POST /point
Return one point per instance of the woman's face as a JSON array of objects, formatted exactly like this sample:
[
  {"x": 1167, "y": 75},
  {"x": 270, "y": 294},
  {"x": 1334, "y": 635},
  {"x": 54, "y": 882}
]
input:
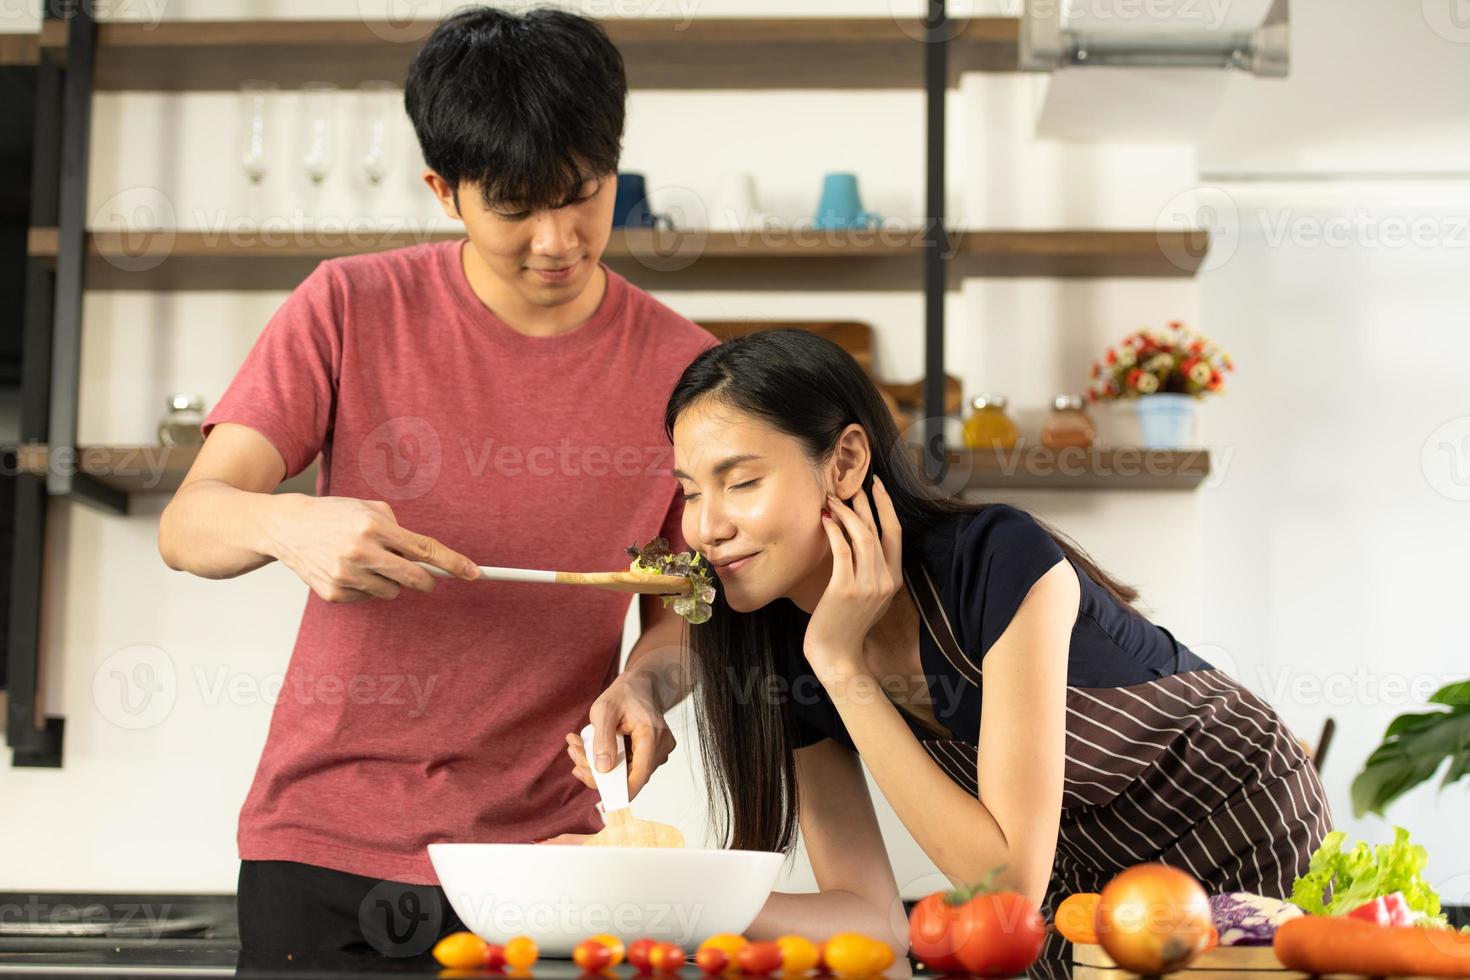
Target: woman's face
[{"x": 751, "y": 493}]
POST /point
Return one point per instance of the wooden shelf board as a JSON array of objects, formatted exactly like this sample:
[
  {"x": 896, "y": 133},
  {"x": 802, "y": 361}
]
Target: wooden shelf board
[
  {"x": 1097, "y": 468},
  {"x": 137, "y": 469},
  {"x": 143, "y": 469},
  {"x": 886, "y": 259},
  {"x": 659, "y": 53},
  {"x": 19, "y": 49}
]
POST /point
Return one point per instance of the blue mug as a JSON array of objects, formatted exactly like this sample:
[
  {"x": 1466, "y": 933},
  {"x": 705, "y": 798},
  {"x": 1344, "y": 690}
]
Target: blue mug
[
  {"x": 841, "y": 207},
  {"x": 630, "y": 207}
]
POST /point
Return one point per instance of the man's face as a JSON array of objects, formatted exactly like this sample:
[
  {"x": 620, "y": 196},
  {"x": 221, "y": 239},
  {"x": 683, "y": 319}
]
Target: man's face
[{"x": 545, "y": 257}]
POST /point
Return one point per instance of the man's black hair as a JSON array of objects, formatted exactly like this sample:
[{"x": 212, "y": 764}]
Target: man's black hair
[{"x": 527, "y": 106}]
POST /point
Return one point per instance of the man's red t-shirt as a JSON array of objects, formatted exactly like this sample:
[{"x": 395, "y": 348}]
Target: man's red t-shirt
[{"x": 441, "y": 717}]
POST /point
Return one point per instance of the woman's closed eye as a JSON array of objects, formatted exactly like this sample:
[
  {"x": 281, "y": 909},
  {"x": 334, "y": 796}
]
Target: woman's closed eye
[{"x": 739, "y": 486}]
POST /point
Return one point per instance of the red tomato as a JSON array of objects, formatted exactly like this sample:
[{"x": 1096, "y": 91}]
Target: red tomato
[
  {"x": 494, "y": 956},
  {"x": 759, "y": 959},
  {"x": 978, "y": 932},
  {"x": 638, "y": 954},
  {"x": 1386, "y": 910},
  {"x": 591, "y": 955},
  {"x": 929, "y": 932},
  {"x": 1002, "y": 935},
  {"x": 712, "y": 959},
  {"x": 666, "y": 958}
]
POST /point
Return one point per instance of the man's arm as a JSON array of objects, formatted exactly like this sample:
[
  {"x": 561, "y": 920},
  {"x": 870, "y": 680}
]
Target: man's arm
[
  {"x": 223, "y": 521},
  {"x": 215, "y": 525}
]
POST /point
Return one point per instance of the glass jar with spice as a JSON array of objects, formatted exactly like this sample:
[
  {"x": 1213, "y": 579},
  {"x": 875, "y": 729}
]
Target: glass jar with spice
[
  {"x": 1068, "y": 426},
  {"x": 989, "y": 427},
  {"x": 180, "y": 427}
]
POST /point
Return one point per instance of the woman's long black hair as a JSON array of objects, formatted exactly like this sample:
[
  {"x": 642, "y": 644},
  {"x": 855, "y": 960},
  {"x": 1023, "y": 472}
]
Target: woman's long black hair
[{"x": 810, "y": 389}]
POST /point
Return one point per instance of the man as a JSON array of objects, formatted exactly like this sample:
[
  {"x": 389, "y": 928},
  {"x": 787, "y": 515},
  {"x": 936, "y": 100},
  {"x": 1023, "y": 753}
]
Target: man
[{"x": 491, "y": 401}]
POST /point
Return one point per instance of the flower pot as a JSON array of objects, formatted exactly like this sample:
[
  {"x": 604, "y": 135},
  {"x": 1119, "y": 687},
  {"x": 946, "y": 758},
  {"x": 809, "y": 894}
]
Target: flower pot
[{"x": 1167, "y": 420}]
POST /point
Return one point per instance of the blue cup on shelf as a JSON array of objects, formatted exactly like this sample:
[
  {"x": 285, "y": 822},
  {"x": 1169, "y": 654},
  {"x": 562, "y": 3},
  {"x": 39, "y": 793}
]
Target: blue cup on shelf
[
  {"x": 630, "y": 207},
  {"x": 840, "y": 206},
  {"x": 1166, "y": 420}
]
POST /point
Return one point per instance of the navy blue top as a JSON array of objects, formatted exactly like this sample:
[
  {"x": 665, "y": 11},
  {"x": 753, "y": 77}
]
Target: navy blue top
[{"x": 982, "y": 566}]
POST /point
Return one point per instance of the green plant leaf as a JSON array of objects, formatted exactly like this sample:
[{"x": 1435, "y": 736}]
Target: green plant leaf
[
  {"x": 1455, "y": 695},
  {"x": 1413, "y": 748}
]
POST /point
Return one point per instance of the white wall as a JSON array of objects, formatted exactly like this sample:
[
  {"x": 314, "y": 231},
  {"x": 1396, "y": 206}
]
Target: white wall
[{"x": 156, "y": 808}]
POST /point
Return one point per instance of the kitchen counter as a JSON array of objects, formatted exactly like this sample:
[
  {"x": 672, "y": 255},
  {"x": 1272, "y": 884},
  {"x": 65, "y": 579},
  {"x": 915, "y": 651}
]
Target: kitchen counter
[{"x": 214, "y": 960}]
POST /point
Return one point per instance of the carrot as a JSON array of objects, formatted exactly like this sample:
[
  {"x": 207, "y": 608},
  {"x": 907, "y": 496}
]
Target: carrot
[{"x": 1332, "y": 944}]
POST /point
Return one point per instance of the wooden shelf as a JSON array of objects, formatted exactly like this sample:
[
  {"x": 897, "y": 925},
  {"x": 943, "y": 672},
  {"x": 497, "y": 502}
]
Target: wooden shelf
[
  {"x": 145, "y": 469},
  {"x": 136, "y": 469},
  {"x": 660, "y": 53},
  {"x": 1098, "y": 468},
  {"x": 796, "y": 258},
  {"x": 18, "y": 49}
]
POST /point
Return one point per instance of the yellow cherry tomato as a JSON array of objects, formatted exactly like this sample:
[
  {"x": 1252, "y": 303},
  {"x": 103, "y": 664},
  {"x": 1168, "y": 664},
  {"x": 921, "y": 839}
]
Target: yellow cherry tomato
[
  {"x": 882, "y": 955},
  {"x": 460, "y": 951},
  {"x": 614, "y": 946},
  {"x": 521, "y": 952},
  {"x": 730, "y": 942},
  {"x": 798, "y": 954},
  {"x": 851, "y": 954}
]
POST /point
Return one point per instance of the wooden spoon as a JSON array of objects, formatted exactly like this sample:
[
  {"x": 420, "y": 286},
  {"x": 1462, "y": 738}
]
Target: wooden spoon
[
  {"x": 639, "y": 582},
  {"x": 623, "y": 829}
]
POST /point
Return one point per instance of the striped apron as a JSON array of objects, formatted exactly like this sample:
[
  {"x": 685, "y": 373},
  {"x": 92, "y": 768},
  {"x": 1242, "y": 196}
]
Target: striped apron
[{"x": 1190, "y": 770}]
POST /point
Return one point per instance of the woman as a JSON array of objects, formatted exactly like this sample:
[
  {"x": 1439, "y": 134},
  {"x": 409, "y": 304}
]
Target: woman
[{"x": 1010, "y": 703}]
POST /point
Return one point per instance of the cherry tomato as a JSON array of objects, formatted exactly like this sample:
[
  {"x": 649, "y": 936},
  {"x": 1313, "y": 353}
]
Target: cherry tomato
[
  {"x": 850, "y": 954},
  {"x": 521, "y": 952},
  {"x": 460, "y": 951},
  {"x": 614, "y": 946},
  {"x": 638, "y": 954},
  {"x": 712, "y": 959},
  {"x": 666, "y": 958},
  {"x": 882, "y": 956},
  {"x": 731, "y": 943},
  {"x": 591, "y": 955},
  {"x": 759, "y": 959},
  {"x": 798, "y": 954},
  {"x": 494, "y": 956}
]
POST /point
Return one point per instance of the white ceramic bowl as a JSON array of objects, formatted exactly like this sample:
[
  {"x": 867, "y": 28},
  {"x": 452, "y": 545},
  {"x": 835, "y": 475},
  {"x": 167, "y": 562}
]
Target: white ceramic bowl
[{"x": 559, "y": 895}]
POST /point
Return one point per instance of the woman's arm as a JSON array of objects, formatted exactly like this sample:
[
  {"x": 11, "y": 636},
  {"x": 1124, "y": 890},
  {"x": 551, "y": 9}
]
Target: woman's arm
[
  {"x": 1022, "y": 749},
  {"x": 858, "y": 891}
]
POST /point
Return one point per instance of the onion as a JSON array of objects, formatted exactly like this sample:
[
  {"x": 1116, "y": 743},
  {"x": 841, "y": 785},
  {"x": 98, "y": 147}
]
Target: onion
[{"x": 1153, "y": 919}]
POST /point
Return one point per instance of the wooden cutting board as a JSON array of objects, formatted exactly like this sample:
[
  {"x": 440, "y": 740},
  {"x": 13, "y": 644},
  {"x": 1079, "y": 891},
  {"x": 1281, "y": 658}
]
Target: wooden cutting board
[
  {"x": 1221, "y": 958},
  {"x": 1092, "y": 962}
]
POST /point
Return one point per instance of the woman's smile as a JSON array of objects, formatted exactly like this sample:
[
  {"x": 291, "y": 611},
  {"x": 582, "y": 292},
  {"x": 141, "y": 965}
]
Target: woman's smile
[{"x": 732, "y": 567}]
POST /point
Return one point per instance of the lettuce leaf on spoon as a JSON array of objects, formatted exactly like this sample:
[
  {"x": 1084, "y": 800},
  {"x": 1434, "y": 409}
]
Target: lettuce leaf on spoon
[{"x": 656, "y": 558}]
